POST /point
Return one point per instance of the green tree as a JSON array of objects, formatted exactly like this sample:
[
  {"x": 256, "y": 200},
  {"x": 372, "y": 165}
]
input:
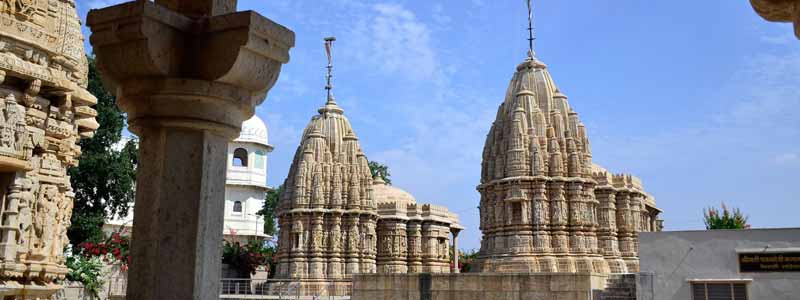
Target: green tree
[
  {"x": 105, "y": 178},
  {"x": 725, "y": 219},
  {"x": 379, "y": 169},
  {"x": 268, "y": 211}
]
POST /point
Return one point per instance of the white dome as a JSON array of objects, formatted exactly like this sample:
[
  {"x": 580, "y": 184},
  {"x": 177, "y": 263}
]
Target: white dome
[
  {"x": 384, "y": 193},
  {"x": 254, "y": 131}
]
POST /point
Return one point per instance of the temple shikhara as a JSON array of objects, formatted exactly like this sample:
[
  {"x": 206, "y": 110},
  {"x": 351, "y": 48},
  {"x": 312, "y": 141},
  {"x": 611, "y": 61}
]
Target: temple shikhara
[
  {"x": 44, "y": 111},
  {"x": 327, "y": 215},
  {"x": 545, "y": 206},
  {"x": 336, "y": 221}
]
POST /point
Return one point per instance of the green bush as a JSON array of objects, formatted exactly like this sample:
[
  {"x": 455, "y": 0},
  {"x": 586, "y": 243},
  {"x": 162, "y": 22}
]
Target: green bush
[
  {"x": 86, "y": 270},
  {"x": 246, "y": 258},
  {"x": 726, "y": 219}
]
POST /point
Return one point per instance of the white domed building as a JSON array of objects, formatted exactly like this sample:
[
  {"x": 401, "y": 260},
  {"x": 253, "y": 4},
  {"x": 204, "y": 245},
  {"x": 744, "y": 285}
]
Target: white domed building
[
  {"x": 245, "y": 185},
  {"x": 246, "y": 181}
]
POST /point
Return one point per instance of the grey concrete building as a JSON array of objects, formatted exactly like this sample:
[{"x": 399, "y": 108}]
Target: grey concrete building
[{"x": 721, "y": 264}]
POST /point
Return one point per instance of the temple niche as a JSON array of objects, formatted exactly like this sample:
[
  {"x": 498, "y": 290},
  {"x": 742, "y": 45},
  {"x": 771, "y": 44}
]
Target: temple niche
[
  {"x": 545, "y": 207},
  {"x": 44, "y": 111}
]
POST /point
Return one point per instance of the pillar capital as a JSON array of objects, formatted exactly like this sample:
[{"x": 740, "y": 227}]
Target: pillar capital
[{"x": 161, "y": 60}]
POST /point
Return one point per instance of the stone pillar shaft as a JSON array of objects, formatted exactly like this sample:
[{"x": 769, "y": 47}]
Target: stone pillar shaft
[
  {"x": 175, "y": 253},
  {"x": 455, "y": 252}
]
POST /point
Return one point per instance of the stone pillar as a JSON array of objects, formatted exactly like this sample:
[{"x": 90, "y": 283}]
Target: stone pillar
[
  {"x": 187, "y": 73},
  {"x": 455, "y": 250}
]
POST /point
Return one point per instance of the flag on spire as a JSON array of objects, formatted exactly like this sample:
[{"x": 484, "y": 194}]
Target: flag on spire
[{"x": 328, "y": 46}]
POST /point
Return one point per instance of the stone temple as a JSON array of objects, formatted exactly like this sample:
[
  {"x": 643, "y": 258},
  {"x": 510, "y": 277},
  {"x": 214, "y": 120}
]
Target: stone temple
[
  {"x": 336, "y": 221},
  {"x": 326, "y": 214},
  {"x": 545, "y": 207},
  {"x": 44, "y": 110}
]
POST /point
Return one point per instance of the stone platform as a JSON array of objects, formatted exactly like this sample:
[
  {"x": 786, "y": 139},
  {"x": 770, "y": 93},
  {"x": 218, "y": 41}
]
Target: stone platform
[{"x": 486, "y": 286}]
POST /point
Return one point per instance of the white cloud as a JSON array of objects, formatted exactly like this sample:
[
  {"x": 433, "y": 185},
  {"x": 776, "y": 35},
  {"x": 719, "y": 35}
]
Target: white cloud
[
  {"x": 439, "y": 15},
  {"x": 392, "y": 39}
]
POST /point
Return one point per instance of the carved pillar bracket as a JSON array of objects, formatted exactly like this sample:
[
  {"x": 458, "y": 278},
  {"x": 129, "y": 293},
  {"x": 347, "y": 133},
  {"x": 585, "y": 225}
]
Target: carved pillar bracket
[
  {"x": 779, "y": 11},
  {"x": 187, "y": 73}
]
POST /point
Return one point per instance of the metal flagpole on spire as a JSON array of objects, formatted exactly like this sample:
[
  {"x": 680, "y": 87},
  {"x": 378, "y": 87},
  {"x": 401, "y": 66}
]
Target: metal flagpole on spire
[
  {"x": 328, "y": 86},
  {"x": 530, "y": 29}
]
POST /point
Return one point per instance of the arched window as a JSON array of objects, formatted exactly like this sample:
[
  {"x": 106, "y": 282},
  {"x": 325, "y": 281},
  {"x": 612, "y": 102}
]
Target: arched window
[
  {"x": 240, "y": 157},
  {"x": 237, "y": 207}
]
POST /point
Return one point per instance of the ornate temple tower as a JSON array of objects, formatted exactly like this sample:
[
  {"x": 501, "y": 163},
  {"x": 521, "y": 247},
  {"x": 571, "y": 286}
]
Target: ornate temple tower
[
  {"x": 326, "y": 214},
  {"x": 541, "y": 207},
  {"x": 44, "y": 111}
]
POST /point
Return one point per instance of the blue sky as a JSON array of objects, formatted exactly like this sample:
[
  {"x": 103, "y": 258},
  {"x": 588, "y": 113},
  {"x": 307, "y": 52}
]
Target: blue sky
[{"x": 698, "y": 98}]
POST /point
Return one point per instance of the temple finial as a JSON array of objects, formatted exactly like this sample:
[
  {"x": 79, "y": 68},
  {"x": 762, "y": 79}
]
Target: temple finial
[
  {"x": 330, "y": 105},
  {"x": 530, "y": 30},
  {"x": 328, "y": 47}
]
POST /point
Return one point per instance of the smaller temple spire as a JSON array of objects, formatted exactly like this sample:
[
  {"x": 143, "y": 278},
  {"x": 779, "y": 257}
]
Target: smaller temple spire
[{"x": 530, "y": 30}]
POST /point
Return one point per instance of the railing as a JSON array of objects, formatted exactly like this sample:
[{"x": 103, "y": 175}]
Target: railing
[
  {"x": 241, "y": 289},
  {"x": 261, "y": 289}
]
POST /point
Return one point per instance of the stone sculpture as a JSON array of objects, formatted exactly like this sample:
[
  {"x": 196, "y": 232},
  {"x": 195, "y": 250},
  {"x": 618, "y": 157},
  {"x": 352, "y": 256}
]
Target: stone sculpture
[{"x": 44, "y": 110}]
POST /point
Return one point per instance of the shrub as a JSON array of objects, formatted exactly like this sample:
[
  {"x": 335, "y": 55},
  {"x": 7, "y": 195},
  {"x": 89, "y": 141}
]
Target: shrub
[
  {"x": 116, "y": 248},
  {"x": 87, "y": 271},
  {"x": 727, "y": 219},
  {"x": 246, "y": 258}
]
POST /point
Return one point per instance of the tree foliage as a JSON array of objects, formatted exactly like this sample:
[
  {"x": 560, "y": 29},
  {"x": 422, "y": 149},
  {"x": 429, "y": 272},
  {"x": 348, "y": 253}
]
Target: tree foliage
[
  {"x": 268, "y": 211},
  {"x": 725, "y": 219},
  {"x": 105, "y": 178},
  {"x": 379, "y": 169}
]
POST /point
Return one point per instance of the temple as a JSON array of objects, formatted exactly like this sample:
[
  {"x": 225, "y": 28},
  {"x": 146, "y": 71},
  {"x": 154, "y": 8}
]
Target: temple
[
  {"x": 336, "y": 221},
  {"x": 326, "y": 214},
  {"x": 545, "y": 207}
]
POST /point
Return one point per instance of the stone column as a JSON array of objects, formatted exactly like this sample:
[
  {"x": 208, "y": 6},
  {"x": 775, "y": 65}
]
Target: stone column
[
  {"x": 455, "y": 250},
  {"x": 187, "y": 73}
]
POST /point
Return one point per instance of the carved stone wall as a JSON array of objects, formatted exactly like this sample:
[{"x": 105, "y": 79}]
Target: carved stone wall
[
  {"x": 44, "y": 110},
  {"x": 542, "y": 208},
  {"x": 412, "y": 238}
]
